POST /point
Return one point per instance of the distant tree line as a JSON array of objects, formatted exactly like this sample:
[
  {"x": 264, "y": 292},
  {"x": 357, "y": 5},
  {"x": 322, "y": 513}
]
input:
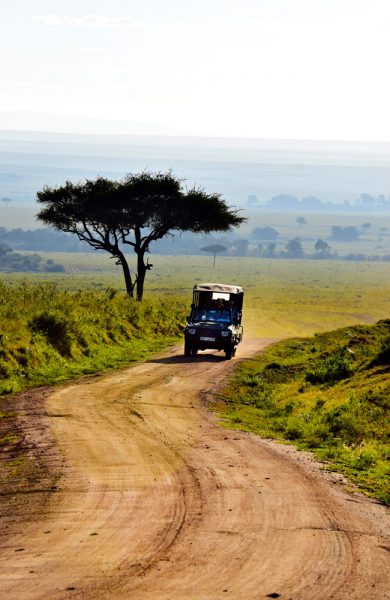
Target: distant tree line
[
  {"x": 291, "y": 249},
  {"x": 322, "y": 250},
  {"x": 261, "y": 241},
  {"x": 338, "y": 234},
  {"x": 344, "y": 234},
  {"x": 43, "y": 239},
  {"x": 365, "y": 202},
  {"x": 13, "y": 261}
]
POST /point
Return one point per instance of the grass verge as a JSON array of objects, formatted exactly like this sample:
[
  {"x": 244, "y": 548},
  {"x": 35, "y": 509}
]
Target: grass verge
[
  {"x": 329, "y": 394},
  {"x": 48, "y": 335}
]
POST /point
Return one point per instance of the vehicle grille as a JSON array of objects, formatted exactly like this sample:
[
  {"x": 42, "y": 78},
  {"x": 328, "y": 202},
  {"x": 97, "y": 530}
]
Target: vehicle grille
[{"x": 208, "y": 332}]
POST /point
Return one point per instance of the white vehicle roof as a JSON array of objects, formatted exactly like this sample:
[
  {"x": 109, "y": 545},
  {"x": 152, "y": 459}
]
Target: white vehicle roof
[{"x": 218, "y": 287}]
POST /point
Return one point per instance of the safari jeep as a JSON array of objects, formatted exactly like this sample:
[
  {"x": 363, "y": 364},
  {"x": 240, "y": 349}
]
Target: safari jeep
[{"x": 215, "y": 319}]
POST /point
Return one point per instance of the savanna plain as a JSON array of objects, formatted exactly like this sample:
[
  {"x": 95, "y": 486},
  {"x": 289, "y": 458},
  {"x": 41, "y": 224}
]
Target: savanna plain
[
  {"x": 57, "y": 326},
  {"x": 322, "y": 383}
]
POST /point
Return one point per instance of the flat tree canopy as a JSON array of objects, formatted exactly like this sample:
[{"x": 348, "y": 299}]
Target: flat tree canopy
[
  {"x": 214, "y": 249},
  {"x": 135, "y": 211}
]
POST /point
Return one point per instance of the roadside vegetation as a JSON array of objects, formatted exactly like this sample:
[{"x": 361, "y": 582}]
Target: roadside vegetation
[
  {"x": 48, "y": 335},
  {"x": 329, "y": 394}
]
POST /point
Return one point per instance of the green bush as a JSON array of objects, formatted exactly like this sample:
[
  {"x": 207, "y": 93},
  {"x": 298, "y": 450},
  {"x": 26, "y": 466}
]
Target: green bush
[
  {"x": 294, "y": 429},
  {"x": 5, "y": 369},
  {"x": 364, "y": 459},
  {"x": 56, "y": 328},
  {"x": 343, "y": 425},
  {"x": 331, "y": 369},
  {"x": 317, "y": 435},
  {"x": 383, "y": 356}
]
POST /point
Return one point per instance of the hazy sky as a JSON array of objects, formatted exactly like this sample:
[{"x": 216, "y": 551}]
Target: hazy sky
[{"x": 314, "y": 69}]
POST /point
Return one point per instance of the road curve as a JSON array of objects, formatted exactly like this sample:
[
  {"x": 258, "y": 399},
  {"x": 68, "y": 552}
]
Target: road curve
[{"x": 157, "y": 501}]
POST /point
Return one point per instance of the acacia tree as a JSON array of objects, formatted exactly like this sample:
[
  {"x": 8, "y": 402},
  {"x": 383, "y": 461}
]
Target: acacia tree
[
  {"x": 214, "y": 249},
  {"x": 136, "y": 211}
]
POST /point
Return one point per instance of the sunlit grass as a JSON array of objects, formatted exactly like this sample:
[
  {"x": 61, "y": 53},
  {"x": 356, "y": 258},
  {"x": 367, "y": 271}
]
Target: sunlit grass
[
  {"x": 329, "y": 394},
  {"x": 283, "y": 297},
  {"x": 48, "y": 335}
]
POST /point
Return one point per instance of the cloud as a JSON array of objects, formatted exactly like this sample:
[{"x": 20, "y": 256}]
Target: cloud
[{"x": 87, "y": 21}]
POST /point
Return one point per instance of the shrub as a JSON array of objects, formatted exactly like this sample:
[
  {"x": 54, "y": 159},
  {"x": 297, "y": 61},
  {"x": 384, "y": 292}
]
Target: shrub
[
  {"x": 5, "y": 370},
  {"x": 320, "y": 403},
  {"x": 317, "y": 434},
  {"x": 344, "y": 425},
  {"x": 331, "y": 369},
  {"x": 56, "y": 328},
  {"x": 364, "y": 459},
  {"x": 383, "y": 356},
  {"x": 295, "y": 427}
]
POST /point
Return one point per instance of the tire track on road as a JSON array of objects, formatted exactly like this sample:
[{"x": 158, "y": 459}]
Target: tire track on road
[{"x": 158, "y": 501}]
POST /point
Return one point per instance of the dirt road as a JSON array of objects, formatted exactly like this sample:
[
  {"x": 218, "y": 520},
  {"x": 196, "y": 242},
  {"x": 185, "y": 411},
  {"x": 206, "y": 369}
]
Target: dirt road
[{"x": 156, "y": 500}]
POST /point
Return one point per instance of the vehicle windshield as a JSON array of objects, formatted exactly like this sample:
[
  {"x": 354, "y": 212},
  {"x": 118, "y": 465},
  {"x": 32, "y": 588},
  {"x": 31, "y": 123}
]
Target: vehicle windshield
[{"x": 212, "y": 315}]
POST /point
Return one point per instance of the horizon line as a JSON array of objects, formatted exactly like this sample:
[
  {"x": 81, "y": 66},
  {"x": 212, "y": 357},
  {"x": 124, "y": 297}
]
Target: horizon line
[{"x": 178, "y": 136}]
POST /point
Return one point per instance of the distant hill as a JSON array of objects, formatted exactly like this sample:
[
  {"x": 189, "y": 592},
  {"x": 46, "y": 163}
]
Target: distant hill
[{"x": 238, "y": 168}]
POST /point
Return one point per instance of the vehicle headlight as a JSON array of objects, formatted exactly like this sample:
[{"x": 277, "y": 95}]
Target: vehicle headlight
[
  {"x": 192, "y": 331},
  {"x": 225, "y": 333}
]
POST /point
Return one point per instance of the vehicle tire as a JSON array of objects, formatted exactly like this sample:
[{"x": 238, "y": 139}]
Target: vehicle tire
[
  {"x": 187, "y": 348},
  {"x": 229, "y": 352}
]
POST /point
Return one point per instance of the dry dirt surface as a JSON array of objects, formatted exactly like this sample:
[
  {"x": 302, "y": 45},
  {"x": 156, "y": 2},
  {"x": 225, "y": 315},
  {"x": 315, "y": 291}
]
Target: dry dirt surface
[{"x": 155, "y": 500}]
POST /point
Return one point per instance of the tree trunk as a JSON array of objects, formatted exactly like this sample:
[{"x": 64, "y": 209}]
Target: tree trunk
[
  {"x": 127, "y": 275},
  {"x": 141, "y": 272}
]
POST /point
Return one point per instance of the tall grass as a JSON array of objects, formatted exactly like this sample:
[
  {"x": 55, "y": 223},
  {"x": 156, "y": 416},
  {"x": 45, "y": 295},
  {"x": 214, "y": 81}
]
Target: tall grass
[{"x": 48, "y": 334}]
